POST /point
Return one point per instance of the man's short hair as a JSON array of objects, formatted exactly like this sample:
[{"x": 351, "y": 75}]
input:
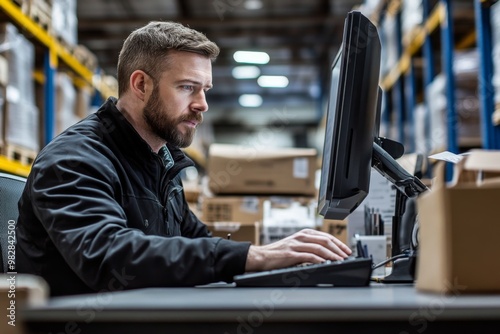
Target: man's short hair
[{"x": 147, "y": 49}]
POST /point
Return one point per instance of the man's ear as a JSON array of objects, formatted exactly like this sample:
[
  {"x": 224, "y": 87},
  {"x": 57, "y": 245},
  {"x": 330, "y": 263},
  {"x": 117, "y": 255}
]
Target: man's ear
[{"x": 140, "y": 84}]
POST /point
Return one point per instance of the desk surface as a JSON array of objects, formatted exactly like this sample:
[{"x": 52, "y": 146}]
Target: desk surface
[{"x": 394, "y": 308}]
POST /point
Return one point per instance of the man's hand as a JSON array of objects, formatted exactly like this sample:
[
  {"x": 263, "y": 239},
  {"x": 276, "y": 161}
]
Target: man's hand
[{"x": 305, "y": 246}]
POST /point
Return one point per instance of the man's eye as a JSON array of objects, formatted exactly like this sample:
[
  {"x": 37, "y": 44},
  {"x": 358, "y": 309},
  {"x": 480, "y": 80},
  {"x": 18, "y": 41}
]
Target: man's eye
[{"x": 187, "y": 87}]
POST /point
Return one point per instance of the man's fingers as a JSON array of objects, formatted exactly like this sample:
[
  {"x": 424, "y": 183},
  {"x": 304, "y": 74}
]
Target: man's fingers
[
  {"x": 327, "y": 242},
  {"x": 317, "y": 246}
]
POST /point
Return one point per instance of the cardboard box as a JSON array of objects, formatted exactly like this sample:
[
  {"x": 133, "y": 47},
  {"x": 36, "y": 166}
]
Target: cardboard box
[
  {"x": 237, "y": 169},
  {"x": 337, "y": 228},
  {"x": 192, "y": 191},
  {"x": 196, "y": 209},
  {"x": 244, "y": 209},
  {"x": 237, "y": 231},
  {"x": 459, "y": 228}
]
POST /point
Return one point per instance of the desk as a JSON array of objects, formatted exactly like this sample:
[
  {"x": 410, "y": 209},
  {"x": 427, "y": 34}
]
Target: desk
[{"x": 378, "y": 308}]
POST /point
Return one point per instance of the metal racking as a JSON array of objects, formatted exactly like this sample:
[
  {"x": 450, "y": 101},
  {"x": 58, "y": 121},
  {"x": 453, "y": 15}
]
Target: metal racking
[
  {"x": 401, "y": 90},
  {"x": 54, "y": 53}
]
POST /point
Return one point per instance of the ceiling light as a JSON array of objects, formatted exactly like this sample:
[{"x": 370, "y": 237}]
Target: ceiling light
[
  {"x": 251, "y": 57},
  {"x": 250, "y": 100},
  {"x": 253, "y": 4},
  {"x": 279, "y": 81},
  {"x": 246, "y": 72}
]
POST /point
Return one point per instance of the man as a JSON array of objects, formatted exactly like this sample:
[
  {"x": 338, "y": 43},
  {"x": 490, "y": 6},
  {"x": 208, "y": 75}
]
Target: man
[{"x": 103, "y": 208}]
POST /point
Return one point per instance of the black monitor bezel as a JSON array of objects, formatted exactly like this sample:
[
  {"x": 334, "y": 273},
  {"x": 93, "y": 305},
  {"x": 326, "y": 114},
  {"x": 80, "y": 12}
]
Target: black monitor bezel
[{"x": 339, "y": 193}]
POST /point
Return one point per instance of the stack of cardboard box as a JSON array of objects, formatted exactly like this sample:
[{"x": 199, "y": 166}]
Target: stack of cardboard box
[{"x": 242, "y": 179}]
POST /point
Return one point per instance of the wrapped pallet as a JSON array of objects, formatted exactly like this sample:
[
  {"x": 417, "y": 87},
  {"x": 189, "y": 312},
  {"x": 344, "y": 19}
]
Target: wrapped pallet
[
  {"x": 22, "y": 114},
  {"x": 65, "y": 102},
  {"x": 65, "y": 21},
  {"x": 495, "y": 39},
  {"x": 467, "y": 125}
]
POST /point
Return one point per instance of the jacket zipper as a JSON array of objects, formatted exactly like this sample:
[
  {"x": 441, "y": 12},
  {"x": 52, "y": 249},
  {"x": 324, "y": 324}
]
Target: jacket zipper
[{"x": 163, "y": 193}]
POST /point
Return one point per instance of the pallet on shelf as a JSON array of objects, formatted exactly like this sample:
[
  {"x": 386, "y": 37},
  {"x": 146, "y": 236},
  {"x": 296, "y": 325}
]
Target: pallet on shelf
[
  {"x": 85, "y": 56},
  {"x": 18, "y": 153},
  {"x": 20, "y": 2},
  {"x": 39, "y": 11},
  {"x": 411, "y": 35},
  {"x": 68, "y": 46}
]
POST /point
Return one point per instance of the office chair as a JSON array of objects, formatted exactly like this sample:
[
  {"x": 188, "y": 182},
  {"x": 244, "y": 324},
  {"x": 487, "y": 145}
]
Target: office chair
[{"x": 11, "y": 187}]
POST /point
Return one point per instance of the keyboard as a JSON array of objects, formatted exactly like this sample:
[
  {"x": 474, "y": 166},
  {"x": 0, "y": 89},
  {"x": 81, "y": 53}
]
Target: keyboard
[{"x": 355, "y": 271}]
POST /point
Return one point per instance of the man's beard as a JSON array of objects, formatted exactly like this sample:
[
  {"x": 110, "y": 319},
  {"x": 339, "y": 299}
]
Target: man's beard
[{"x": 164, "y": 126}]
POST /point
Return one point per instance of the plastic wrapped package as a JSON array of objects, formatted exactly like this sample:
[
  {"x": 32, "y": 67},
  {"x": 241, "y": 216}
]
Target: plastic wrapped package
[
  {"x": 412, "y": 15},
  {"x": 2, "y": 104},
  {"x": 495, "y": 39},
  {"x": 22, "y": 125},
  {"x": 65, "y": 102},
  {"x": 466, "y": 69},
  {"x": 65, "y": 21},
  {"x": 389, "y": 43},
  {"x": 437, "y": 113},
  {"x": 21, "y": 113},
  {"x": 421, "y": 140},
  {"x": 370, "y": 7},
  {"x": 20, "y": 54},
  {"x": 468, "y": 129}
]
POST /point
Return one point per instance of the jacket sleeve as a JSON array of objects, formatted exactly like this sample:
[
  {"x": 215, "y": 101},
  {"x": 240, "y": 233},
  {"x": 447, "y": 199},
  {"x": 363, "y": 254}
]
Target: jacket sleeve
[
  {"x": 75, "y": 199},
  {"x": 192, "y": 227}
]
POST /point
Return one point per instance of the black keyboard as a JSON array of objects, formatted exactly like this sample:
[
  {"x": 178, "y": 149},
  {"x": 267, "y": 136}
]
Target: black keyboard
[{"x": 354, "y": 271}]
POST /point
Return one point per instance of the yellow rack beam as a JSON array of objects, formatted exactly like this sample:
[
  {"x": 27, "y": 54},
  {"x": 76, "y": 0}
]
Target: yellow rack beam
[
  {"x": 394, "y": 7},
  {"x": 416, "y": 43},
  {"x": 467, "y": 41},
  {"x": 14, "y": 167}
]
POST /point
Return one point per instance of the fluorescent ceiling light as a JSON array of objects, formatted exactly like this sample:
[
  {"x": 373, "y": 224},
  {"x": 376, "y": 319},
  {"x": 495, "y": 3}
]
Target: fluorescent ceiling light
[
  {"x": 279, "y": 81},
  {"x": 253, "y": 4},
  {"x": 251, "y": 57},
  {"x": 250, "y": 100},
  {"x": 246, "y": 72}
]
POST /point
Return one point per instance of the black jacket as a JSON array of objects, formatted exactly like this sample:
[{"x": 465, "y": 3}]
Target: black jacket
[{"x": 101, "y": 212}]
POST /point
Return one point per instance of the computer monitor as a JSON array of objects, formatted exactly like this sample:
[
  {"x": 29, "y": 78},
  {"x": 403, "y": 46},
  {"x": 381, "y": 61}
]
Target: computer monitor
[
  {"x": 352, "y": 120},
  {"x": 352, "y": 146}
]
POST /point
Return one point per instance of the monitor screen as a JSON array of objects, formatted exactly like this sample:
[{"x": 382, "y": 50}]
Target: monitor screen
[{"x": 352, "y": 119}]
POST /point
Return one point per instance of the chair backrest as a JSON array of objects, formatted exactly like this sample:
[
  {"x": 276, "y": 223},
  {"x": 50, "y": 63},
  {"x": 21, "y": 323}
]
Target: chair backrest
[{"x": 11, "y": 188}]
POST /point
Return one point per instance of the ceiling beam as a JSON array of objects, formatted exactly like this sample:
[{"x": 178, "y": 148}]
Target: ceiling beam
[
  {"x": 214, "y": 23},
  {"x": 185, "y": 11}
]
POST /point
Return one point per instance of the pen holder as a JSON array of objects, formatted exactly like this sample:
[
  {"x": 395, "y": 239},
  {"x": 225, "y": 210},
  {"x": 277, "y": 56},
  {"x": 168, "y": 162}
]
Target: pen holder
[{"x": 375, "y": 247}]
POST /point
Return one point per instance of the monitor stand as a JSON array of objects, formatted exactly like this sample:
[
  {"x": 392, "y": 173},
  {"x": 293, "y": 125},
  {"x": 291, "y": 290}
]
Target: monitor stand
[
  {"x": 408, "y": 186},
  {"x": 403, "y": 269}
]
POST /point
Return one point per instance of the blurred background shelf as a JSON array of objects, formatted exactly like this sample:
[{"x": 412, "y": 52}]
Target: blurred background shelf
[
  {"x": 438, "y": 79},
  {"x": 431, "y": 101},
  {"x": 32, "y": 108}
]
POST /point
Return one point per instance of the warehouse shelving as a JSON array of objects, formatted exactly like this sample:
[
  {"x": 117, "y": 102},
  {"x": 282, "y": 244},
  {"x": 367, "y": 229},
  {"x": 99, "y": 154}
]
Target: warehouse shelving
[
  {"x": 490, "y": 129},
  {"x": 400, "y": 84},
  {"x": 54, "y": 53}
]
